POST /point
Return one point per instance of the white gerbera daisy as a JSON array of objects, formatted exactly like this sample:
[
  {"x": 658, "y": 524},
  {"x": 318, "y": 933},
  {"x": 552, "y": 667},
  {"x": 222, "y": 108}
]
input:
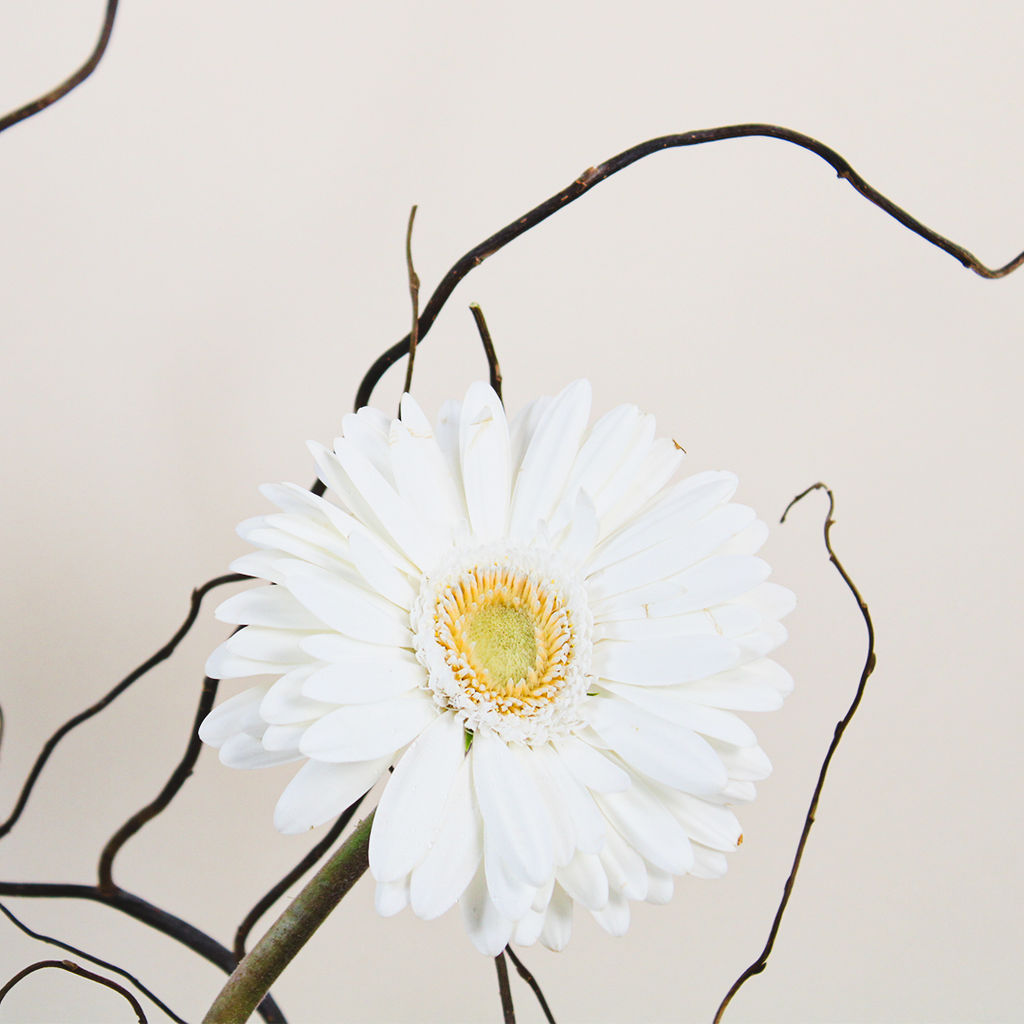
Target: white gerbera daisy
[{"x": 544, "y": 637}]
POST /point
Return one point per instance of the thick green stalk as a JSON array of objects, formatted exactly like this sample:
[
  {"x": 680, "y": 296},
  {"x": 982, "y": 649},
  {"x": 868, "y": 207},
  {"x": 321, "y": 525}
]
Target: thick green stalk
[{"x": 290, "y": 932}]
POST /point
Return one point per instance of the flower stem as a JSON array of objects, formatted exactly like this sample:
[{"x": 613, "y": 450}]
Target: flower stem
[{"x": 290, "y": 932}]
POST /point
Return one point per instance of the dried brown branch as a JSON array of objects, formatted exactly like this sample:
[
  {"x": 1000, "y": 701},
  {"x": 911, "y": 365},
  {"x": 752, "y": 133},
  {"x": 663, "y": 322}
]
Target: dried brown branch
[
  {"x": 165, "y": 652},
  {"x": 869, "y": 666},
  {"x": 92, "y": 959},
  {"x": 76, "y": 79},
  {"x": 593, "y": 175},
  {"x": 72, "y": 968}
]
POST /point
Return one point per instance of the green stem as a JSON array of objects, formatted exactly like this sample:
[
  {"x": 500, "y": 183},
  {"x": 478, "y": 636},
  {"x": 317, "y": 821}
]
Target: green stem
[{"x": 290, "y": 932}]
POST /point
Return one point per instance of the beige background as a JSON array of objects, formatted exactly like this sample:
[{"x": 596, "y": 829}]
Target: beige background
[{"x": 202, "y": 252}]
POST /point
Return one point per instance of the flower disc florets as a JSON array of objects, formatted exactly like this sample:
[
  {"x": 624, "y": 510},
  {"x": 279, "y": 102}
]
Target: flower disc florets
[{"x": 506, "y": 637}]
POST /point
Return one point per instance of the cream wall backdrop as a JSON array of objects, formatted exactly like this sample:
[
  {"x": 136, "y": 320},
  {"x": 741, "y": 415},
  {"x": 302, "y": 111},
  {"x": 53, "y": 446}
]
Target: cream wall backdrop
[{"x": 202, "y": 251}]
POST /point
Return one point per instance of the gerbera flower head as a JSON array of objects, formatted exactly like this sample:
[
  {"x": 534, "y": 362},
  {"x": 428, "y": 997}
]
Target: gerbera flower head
[{"x": 543, "y": 636}]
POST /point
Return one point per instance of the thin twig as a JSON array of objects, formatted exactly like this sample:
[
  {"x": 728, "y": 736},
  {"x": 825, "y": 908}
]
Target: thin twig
[
  {"x": 95, "y": 960},
  {"x": 508, "y": 1013},
  {"x": 174, "y": 927},
  {"x": 869, "y": 666},
  {"x": 485, "y": 338},
  {"x": 72, "y": 968},
  {"x": 178, "y": 779},
  {"x": 530, "y": 980},
  {"x": 165, "y": 652},
  {"x": 76, "y": 79},
  {"x": 291, "y": 878},
  {"x": 593, "y": 175},
  {"x": 414, "y": 296}
]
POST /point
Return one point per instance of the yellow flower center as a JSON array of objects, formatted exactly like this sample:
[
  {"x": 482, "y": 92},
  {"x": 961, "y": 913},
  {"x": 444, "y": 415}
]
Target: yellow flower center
[{"x": 506, "y": 637}]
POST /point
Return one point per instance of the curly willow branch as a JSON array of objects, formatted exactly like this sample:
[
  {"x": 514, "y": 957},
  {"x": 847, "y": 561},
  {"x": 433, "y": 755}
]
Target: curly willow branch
[
  {"x": 165, "y": 652},
  {"x": 76, "y": 79},
  {"x": 95, "y": 960},
  {"x": 593, "y": 175},
  {"x": 174, "y": 927},
  {"x": 869, "y": 666},
  {"x": 73, "y": 968}
]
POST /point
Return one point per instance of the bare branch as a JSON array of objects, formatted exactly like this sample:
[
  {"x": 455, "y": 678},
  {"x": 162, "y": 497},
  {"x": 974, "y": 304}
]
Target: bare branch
[
  {"x": 76, "y": 79},
  {"x": 869, "y": 666},
  {"x": 593, "y": 175}
]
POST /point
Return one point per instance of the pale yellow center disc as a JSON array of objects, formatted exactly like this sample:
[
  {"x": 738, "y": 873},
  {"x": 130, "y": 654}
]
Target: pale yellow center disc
[{"x": 504, "y": 635}]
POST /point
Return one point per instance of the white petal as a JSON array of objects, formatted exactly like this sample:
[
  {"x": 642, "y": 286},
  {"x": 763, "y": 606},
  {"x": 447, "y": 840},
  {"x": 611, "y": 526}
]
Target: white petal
[
  {"x": 365, "y": 680},
  {"x": 584, "y": 879},
  {"x": 728, "y": 620},
  {"x": 739, "y": 791},
  {"x": 259, "y": 564},
  {"x": 649, "y": 827},
  {"x": 625, "y": 868},
  {"x": 283, "y": 737},
  {"x": 583, "y": 531},
  {"x": 584, "y": 818},
  {"x": 614, "y": 919},
  {"x": 739, "y": 689},
  {"x": 663, "y": 662},
  {"x": 512, "y": 896},
  {"x": 484, "y": 454},
  {"x": 710, "y": 824},
  {"x": 265, "y": 643},
  {"x": 391, "y": 898},
  {"x": 332, "y": 648},
  {"x": 267, "y": 606},
  {"x": 528, "y": 929},
  {"x": 667, "y": 752},
  {"x": 774, "y": 673},
  {"x": 320, "y": 791},
  {"x": 242, "y": 751},
  {"x": 563, "y": 835},
  {"x": 590, "y": 767},
  {"x": 659, "y": 885},
  {"x": 446, "y": 433},
  {"x": 488, "y": 930},
  {"x": 317, "y": 536},
  {"x": 748, "y": 541},
  {"x": 680, "y": 507},
  {"x": 363, "y": 732},
  {"x": 558, "y": 921},
  {"x": 672, "y": 555},
  {"x": 522, "y": 427},
  {"x": 548, "y": 460},
  {"x": 366, "y": 436},
  {"x": 750, "y": 764},
  {"x": 715, "y": 580},
  {"x": 708, "y": 863},
  {"x": 658, "y": 467},
  {"x": 284, "y": 703},
  {"x": 397, "y": 516},
  {"x": 511, "y": 808},
  {"x": 344, "y": 608},
  {"x": 379, "y": 572},
  {"x": 669, "y": 703},
  {"x": 291, "y": 498},
  {"x": 424, "y": 479},
  {"x": 238, "y": 714},
  {"x": 331, "y": 472},
  {"x": 771, "y": 600},
  {"x": 450, "y": 864},
  {"x": 411, "y": 807},
  {"x": 222, "y": 664}
]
